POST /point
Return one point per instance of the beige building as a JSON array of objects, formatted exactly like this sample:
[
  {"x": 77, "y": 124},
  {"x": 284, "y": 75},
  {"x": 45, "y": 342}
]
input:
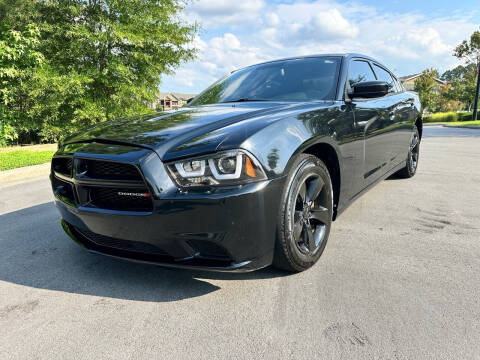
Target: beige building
[
  {"x": 409, "y": 82},
  {"x": 171, "y": 101}
]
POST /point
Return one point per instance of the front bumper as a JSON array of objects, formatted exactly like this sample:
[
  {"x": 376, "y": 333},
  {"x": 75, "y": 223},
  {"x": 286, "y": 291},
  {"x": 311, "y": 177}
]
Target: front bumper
[{"x": 224, "y": 230}]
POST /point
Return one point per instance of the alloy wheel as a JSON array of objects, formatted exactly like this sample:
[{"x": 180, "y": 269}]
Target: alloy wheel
[
  {"x": 310, "y": 214},
  {"x": 414, "y": 151}
]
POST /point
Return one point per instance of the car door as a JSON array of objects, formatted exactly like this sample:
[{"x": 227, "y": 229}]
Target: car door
[
  {"x": 396, "y": 127},
  {"x": 408, "y": 115},
  {"x": 373, "y": 117}
]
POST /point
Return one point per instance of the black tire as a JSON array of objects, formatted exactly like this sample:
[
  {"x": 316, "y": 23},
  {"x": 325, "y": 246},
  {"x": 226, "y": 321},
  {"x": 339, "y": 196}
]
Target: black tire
[
  {"x": 413, "y": 156},
  {"x": 305, "y": 215}
]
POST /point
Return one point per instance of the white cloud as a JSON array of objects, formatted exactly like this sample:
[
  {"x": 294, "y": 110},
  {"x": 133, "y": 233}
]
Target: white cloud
[
  {"x": 213, "y": 13},
  {"x": 229, "y": 54},
  {"x": 217, "y": 57},
  {"x": 325, "y": 26},
  {"x": 314, "y": 22},
  {"x": 430, "y": 40},
  {"x": 245, "y": 32},
  {"x": 272, "y": 19}
]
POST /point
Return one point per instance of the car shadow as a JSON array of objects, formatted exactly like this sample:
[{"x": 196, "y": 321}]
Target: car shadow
[
  {"x": 35, "y": 252},
  {"x": 395, "y": 176}
]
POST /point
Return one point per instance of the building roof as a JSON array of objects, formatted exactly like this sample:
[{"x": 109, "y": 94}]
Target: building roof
[
  {"x": 175, "y": 96},
  {"x": 414, "y": 76},
  {"x": 184, "y": 97}
]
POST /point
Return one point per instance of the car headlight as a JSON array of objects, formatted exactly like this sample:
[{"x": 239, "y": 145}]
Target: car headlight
[{"x": 232, "y": 167}]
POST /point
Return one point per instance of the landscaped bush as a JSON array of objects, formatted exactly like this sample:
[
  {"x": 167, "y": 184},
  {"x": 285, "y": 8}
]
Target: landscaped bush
[
  {"x": 448, "y": 117},
  {"x": 465, "y": 116}
]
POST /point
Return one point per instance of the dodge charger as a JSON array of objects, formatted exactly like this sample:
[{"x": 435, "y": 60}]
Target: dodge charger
[{"x": 250, "y": 173}]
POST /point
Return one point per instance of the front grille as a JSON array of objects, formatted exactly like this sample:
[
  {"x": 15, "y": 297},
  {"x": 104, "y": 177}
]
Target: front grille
[
  {"x": 123, "y": 190},
  {"x": 62, "y": 165},
  {"x": 63, "y": 190},
  {"x": 124, "y": 199},
  {"x": 134, "y": 246},
  {"x": 109, "y": 170}
]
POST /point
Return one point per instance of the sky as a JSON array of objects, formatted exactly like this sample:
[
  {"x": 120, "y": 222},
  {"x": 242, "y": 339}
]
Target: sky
[{"x": 406, "y": 35}]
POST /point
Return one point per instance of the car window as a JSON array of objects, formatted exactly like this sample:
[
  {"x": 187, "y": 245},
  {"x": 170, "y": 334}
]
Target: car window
[
  {"x": 304, "y": 79},
  {"x": 360, "y": 71},
  {"x": 384, "y": 75},
  {"x": 400, "y": 87}
]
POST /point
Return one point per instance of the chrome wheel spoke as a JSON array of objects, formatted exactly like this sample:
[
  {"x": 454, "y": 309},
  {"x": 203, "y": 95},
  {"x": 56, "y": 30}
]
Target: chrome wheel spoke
[
  {"x": 298, "y": 227},
  {"x": 314, "y": 189},
  {"x": 303, "y": 192},
  {"x": 320, "y": 214},
  {"x": 310, "y": 239},
  {"x": 414, "y": 142}
]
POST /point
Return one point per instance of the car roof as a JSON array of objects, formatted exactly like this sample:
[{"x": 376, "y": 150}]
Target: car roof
[{"x": 342, "y": 55}]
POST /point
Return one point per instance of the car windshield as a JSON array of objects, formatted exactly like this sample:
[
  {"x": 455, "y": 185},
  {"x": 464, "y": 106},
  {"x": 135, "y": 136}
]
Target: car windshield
[{"x": 304, "y": 79}]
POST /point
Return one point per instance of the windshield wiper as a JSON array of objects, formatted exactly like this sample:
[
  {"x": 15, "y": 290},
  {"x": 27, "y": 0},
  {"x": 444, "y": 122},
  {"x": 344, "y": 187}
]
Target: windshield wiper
[{"x": 243, "y": 100}]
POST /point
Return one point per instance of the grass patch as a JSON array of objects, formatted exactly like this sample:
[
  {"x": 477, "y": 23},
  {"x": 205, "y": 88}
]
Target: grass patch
[
  {"x": 19, "y": 158},
  {"x": 465, "y": 123},
  {"x": 38, "y": 147},
  {"x": 457, "y": 123}
]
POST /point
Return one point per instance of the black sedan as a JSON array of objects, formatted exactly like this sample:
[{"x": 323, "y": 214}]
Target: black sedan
[{"x": 250, "y": 173}]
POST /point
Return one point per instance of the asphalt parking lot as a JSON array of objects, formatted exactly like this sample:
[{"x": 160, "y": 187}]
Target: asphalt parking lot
[{"x": 399, "y": 279}]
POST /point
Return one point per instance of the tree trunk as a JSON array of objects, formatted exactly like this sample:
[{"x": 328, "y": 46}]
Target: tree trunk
[{"x": 475, "y": 107}]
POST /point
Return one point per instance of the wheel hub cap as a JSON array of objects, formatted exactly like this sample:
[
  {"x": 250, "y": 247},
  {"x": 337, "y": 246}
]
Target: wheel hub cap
[{"x": 306, "y": 212}]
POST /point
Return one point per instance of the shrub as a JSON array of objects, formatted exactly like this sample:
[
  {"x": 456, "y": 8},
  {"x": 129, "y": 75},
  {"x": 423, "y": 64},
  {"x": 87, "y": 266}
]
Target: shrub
[
  {"x": 441, "y": 117},
  {"x": 465, "y": 116},
  {"x": 448, "y": 117},
  {"x": 7, "y": 135}
]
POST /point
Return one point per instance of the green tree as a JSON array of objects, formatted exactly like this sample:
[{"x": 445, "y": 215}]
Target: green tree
[
  {"x": 18, "y": 60},
  {"x": 426, "y": 86},
  {"x": 469, "y": 51},
  {"x": 461, "y": 87},
  {"x": 445, "y": 103},
  {"x": 102, "y": 59},
  {"x": 457, "y": 73}
]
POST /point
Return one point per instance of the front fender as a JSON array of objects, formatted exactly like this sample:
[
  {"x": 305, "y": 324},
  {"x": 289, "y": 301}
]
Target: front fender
[{"x": 278, "y": 143}]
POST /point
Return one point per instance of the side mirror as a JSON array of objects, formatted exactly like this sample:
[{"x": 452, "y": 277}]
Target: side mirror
[
  {"x": 369, "y": 89},
  {"x": 188, "y": 100}
]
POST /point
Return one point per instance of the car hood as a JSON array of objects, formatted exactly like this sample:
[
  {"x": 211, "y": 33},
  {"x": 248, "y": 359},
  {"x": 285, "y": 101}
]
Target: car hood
[{"x": 190, "y": 130}]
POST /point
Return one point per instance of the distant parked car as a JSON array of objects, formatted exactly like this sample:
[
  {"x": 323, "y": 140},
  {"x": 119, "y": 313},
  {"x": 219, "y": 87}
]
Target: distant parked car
[{"x": 252, "y": 172}]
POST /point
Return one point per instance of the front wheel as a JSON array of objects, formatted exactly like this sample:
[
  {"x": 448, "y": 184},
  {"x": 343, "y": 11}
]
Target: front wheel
[
  {"x": 413, "y": 156},
  {"x": 305, "y": 215}
]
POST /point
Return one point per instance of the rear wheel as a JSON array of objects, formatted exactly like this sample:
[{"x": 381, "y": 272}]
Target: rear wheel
[
  {"x": 413, "y": 156},
  {"x": 305, "y": 215}
]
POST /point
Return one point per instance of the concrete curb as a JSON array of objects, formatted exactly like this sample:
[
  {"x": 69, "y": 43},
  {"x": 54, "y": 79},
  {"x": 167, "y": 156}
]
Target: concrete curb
[
  {"x": 23, "y": 174},
  {"x": 462, "y": 127}
]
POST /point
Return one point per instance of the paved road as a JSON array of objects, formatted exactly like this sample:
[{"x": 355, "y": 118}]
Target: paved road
[{"x": 399, "y": 279}]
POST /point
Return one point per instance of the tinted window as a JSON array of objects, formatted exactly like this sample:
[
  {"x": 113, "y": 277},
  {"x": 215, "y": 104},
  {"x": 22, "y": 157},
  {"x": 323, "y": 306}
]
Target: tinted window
[
  {"x": 360, "y": 71},
  {"x": 399, "y": 85},
  {"x": 289, "y": 80},
  {"x": 384, "y": 75}
]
